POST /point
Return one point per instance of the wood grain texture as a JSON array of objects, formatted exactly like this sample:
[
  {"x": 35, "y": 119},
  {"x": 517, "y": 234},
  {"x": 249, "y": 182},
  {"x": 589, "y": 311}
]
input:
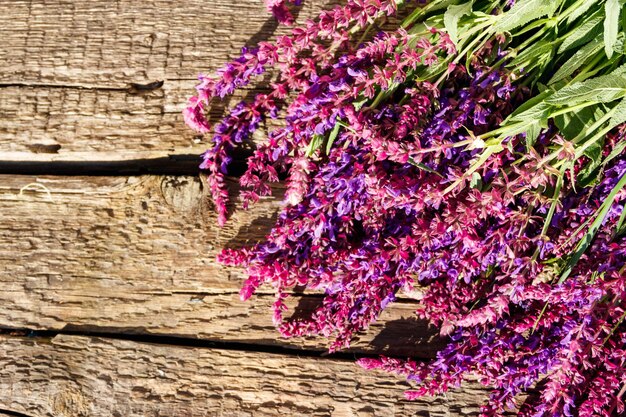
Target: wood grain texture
[
  {"x": 42, "y": 124},
  {"x": 70, "y": 72},
  {"x": 74, "y": 124},
  {"x": 81, "y": 376},
  {"x": 111, "y": 44},
  {"x": 137, "y": 255}
]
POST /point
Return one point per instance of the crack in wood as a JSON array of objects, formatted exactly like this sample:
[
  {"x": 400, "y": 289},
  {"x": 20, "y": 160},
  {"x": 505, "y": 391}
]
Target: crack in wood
[
  {"x": 178, "y": 164},
  {"x": 180, "y": 341},
  {"x": 20, "y": 84},
  {"x": 13, "y": 413},
  {"x": 168, "y": 165}
]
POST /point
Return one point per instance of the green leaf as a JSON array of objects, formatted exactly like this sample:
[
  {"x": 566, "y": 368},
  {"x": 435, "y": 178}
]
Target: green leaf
[
  {"x": 532, "y": 133},
  {"x": 619, "y": 114},
  {"x": 540, "y": 111},
  {"x": 452, "y": 16},
  {"x": 589, "y": 175},
  {"x": 577, "y": 60},
  {"x": 332, "y": 137},
  {"x": 534, "y": 54},
  {"x": 621, "y": 70},
  {"x": 594, "y": 151},
  {"x": 583, "y": 33},
  {"x": 603, "y": 89},
  {"x": 581, "y": 10},
  {"x": 612, "y": 9},
  {"x": 619, "y": 229},
  {"x": 314, "y": 145},
  {"x": 529, "y": 118},
  {"x": 531, "y": 108},
  {"x": 571, "y": 124},
  {"x": 615, "y": 152},
  {"x": 593, "y": 229},
  {"x": 525, "y": 11},
  {"x": 423, "y": 167}
]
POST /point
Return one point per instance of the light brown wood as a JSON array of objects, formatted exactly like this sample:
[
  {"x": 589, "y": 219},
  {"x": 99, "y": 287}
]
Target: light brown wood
[
  {"x": 67, "y": 71},
  {"x": 104, "y": 44},
  {"x": 81, "y": 376},
  {"x": 74, "y": 124},
  {"x": 137, "y": 255},
  {"x": 43, "y": 124}
]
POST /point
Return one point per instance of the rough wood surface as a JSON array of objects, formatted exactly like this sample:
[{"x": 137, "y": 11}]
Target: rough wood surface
[
  {"x": 111, "y": 44},
  {"x": 75, "y": 124},
  {"x": 133, "y": 257},
  {"x": 137, "y": 255},
  {"x": 70, "y": 72},
  {"x": 81, "y": 376}
]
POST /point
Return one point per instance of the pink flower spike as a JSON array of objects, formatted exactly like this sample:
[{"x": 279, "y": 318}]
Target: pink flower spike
[{"x": 194, "y": 115}]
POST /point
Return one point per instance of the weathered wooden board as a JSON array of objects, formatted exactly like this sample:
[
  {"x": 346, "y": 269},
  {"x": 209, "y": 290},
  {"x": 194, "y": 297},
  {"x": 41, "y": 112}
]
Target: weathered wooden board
[
  {"x": 137, "y": 255},
  {"x": 104, "y": 44},
  {"x": 43, "y": 124},
  {"x": 81, "y": 376},
  {"x": 71, "y": 74},
  {"x": 75, "y": 124}
]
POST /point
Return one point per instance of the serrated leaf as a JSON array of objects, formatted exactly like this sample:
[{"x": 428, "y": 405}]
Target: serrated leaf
[
  {"x": 525, "y": 11},
  {"x": 621, "y": 70},
  {"x": 577, "y": 60},
  {"x": 603, "y": 89},
  {"x": 581, "y": 10},
  {"x": 612, "y": 9},
  {"x": 540, "y": 111},
  {"x": 452, "y": 16},
  {"x": 583, "y": 33}
]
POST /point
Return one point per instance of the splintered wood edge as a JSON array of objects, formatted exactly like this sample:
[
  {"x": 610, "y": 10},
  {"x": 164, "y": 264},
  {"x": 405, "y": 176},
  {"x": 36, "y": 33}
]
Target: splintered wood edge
[{"x": 74, "y": 376}]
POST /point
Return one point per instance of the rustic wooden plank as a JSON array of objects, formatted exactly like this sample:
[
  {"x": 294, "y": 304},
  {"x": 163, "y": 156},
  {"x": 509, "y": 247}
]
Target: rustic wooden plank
[
  {"x": 67, "y": 71},
  {"x": 83, "y": 376},
  {"x": 70, "y": 124},
  {"x": 42, "y": 124},
  {"x": 107, "y": 44},
  {"x": 137, "y": 255}
]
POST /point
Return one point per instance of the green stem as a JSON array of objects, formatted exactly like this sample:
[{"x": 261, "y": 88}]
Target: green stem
[
  {"x": 555, "y": 201},
  {"x": 587, "y": 71},
  {"x": 570, "y": 10},
  {"x": 422, "y": 11},
  {"x": 595, "y": 226}
]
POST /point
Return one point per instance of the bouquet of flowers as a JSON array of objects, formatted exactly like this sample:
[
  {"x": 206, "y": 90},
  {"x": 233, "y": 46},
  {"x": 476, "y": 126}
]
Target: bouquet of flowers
[{"x": 470, "y": 156}]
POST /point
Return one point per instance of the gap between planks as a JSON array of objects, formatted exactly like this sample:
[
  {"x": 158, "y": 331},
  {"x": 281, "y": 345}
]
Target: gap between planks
[
  {"x": 137, "y": 255},
  {"x": 79, "y": 375},
  {"x": 179, "y": 341}
]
